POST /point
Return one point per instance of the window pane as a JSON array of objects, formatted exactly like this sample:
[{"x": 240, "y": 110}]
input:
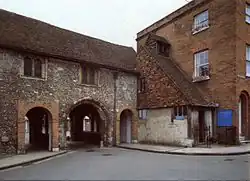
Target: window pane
[
  {"x": 91, "y": 75},
  {"x": 201, "y": 19},
  {"x": 27, "y": 66},
  {"x": 248, "y": 10},
  {"x": 84, "y": 75},
  {"x": 248, "y": 53},
  {"x": 37, "y": 68},
  {"x": 248, "y": 68}
]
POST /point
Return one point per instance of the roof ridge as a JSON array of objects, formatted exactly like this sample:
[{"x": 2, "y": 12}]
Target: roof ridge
[{"x": 64, "y": 29}]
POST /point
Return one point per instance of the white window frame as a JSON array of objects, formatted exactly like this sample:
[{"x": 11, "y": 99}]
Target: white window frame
[
  {"x": 201, "y": 22},
  {"x": 247, "y": 13},
  {"x": 197, "y": 61},
  {"x": 143, "y": 114},
  {"x": 247, "y": 59}
]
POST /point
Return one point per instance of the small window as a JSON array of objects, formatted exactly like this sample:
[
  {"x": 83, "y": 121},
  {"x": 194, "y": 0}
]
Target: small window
[
  {"x": 201, "y": 64},
  {"x": 142, "y": 85},
  {"x": 248, "y": 61},
  {"x": 143, "y": 114},
  {"x": 89, "y": 75},
  {"x": 180, "y": 112},
  {"x": 248, "y": 13},
  {"x": 201, "y": 21},
  {"x": 32, "y": 67},
  {"x": 163, "y": 49}
]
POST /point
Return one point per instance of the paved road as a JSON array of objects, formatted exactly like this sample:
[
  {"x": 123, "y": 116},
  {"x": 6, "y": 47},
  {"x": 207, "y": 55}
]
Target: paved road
[{"x": 128, "y": 164}]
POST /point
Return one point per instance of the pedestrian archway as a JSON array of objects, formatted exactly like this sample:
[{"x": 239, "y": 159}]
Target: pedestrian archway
[
  {"x": 38, "y": 129},
  {"x": 126, "y": 126},
  {"x": 86, "y": 125}
]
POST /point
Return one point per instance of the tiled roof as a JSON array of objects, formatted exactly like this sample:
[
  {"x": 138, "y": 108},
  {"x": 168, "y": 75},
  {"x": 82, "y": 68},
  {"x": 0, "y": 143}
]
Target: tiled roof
[
  {"x": 25, "y": 33},
  {"x": 189, "y": 89}
]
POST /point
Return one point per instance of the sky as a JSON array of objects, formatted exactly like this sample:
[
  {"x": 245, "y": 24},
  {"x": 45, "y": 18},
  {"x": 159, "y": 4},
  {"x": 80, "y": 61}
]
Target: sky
[{"x": 116, "y": 21}]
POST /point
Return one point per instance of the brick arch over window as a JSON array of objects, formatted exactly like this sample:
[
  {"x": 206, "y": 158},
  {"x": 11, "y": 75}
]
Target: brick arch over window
[
  {"x": 105, "y": 115},
  {"x": 244, "y": 111},
  {"x": 23, "y": 108},
  {"x": 134, "y": 124}
]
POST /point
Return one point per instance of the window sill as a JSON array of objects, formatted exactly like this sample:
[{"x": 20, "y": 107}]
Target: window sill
[
  {"x": 90, "y": 85},
  {"x": 33, "y": 78},
  {"x": 200, "y": 30},
  {"x": 201, "y": 78}
]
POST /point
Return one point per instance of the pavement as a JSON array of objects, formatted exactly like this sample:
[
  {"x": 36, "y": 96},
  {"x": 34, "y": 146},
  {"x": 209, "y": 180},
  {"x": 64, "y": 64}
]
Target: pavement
[
  {"x": 123, "y": 164},
  {"x": 213, "y": 151},
  {"x": 25, "y": 159}
]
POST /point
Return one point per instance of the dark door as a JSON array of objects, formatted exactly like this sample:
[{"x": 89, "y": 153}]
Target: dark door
[{"x": 201, "y": 126}]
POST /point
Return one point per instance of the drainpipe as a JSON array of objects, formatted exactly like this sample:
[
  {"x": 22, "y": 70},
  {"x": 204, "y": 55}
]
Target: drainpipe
[{"x": 115, "y": 75}]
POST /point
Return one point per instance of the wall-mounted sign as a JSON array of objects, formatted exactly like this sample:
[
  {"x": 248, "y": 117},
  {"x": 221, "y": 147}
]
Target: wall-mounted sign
[
  {"x": 225, "y": 118},
  {"x": 179, "y": 117}
]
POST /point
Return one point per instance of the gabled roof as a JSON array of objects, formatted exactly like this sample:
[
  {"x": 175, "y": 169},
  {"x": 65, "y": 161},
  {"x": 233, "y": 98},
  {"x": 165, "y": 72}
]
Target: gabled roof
[
  {"x": 176, "y": 74},
  {"x": 157, "y": 38},
  {"x": 28, "y": 34}
]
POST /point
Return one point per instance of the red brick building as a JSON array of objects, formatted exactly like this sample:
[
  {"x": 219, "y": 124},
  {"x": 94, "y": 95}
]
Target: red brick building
[{"x": 197, "y": 57}]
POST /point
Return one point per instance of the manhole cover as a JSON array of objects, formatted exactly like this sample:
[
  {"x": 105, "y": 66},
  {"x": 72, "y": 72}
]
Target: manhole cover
[
  {"x": 90, "y": 150},
  {"x": 228, "y": 160},
  {"x": 107, "y": 154}
]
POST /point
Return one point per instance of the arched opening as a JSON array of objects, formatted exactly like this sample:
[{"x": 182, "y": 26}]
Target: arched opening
[
  {"x": 86, "y": 125},
  {"x": 126, "y": 126},
  {"x": 243, "y": 115},
  {"x": 37, "y": 129}
]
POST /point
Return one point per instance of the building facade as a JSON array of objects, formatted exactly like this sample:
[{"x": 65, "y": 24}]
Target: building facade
[
  {"x": 58, "y": 87},
  {"x": 204, "y": 44}
]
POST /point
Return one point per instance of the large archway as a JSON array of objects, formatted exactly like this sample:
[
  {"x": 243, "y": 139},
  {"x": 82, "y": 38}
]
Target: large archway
[
  {"x": 243, "y": 116},
  {"x": 38, "y": 129},
  {"x": 126, "y": 126},
  {"x": 86, "y": 124}
]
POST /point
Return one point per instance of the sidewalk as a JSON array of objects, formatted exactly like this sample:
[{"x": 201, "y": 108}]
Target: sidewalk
[
  {"x": 18, "y": 160},
  {"x": 215, "y": 150}
]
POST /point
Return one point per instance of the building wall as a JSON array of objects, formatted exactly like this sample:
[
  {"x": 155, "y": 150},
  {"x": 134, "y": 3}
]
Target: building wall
[
  {"x": 159, "y": 129},
  {"x": 62, "y": 85},
  {"x": 160, "y": 91},
  {"x": 226, "y": 48},
  {"x": 219, "y": 38},
  {"x": 242, "y": 39}
]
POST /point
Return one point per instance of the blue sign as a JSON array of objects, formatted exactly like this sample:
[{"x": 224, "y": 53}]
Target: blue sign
[
  {"x": 179, "y": 117},
  {"x": 225, "y": 118}
]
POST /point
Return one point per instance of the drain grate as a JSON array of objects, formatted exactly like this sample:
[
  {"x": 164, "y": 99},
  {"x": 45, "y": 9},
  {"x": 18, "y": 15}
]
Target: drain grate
[
  {"x": 107, "y": 154},
  {"x": 229, "y": 160},
  {"x": 91, "y": 150}
]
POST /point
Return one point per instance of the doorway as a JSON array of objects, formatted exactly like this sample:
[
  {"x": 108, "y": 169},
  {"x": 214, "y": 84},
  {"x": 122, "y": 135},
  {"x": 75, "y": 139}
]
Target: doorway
[
  {"x": 38, "y": 129},
  {"x": 202, "y": 126},
  {"x": 126, "y": 126}
]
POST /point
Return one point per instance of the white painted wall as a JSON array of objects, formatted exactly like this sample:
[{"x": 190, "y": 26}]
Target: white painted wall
[{"x": 158, "y": 128}]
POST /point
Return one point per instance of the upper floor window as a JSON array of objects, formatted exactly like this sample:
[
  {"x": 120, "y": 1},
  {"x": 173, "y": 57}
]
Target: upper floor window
[
  {"x": 248, "y": 13},
  {"x": 142, "y": 85},
  {"x": 201, "y": 22},
  {"x": 89, "y": 75},
  {"x": 248, "y": 61},
  {"x": 201, "y": 64},
  {"x": 32, "y": 67},
  {"x": 163, "y": 49}
]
